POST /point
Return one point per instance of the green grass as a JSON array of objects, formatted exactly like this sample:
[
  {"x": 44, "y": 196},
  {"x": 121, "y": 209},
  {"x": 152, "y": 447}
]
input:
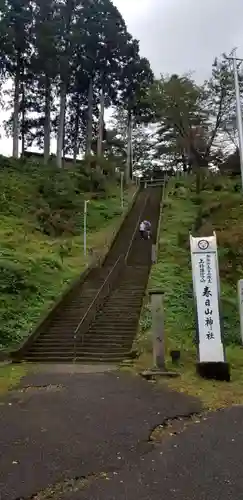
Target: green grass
[
  {"x": 221, "y": 211},
  {"x": 10, "y": 376},
  {"x": 41, "y": 254}
]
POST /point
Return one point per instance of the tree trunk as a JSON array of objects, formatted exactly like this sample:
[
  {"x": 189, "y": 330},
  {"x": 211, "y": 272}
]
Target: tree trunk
[
  {"x": 75, "y": 154},
  {"x": 90, "y": 119},
  {"x": 16, "y": 111},
  {"x": 131, "y": 150},
  {"x": 63, "y": 135},
  {"x": 60, "y": 132},
  {"x": 75, "y": 151},
  {"x": 47, "y": 123},
  {"x": 68, "y": 17},
  {"x": 101, "y": 124},
  {"x": 184, "y": 163},
  {"x": 198, "y": 179},
  {"x": 76, "y": 131},
  {"x": 128, "y": 175},
  {"x": 23, "y": 122}
]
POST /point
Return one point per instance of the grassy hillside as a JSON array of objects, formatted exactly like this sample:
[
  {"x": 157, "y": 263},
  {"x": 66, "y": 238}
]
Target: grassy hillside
[
  {"x": 41, "y": 224},
  {"x": 219, "y": 208}
]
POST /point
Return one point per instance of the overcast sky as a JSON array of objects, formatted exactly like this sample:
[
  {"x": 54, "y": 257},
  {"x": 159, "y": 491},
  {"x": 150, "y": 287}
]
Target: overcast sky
[{"x": 183, "y": 35}]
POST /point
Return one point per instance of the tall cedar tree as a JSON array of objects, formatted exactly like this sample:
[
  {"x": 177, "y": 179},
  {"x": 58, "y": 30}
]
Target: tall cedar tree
[{"x": 16, "y": 29}]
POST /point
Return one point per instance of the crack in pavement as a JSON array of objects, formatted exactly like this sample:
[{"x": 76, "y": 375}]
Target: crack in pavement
[
  {"x": 71, "y": 485},
  {"x": 39, "y": 388},
  {"x": 174, "y": 426}
]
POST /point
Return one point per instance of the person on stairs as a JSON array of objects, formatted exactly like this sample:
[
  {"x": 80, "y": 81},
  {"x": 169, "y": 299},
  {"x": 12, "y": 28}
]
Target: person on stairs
[
  {"x": 145, "y": 230},
  {"x": 148, "y": 228}
]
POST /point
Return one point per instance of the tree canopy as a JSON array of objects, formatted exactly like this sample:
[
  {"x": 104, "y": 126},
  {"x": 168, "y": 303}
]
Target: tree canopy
[
  {"x": 194, "y": 121},
  {"x": 69, "y": 60},
  {"x": 60, "y": 55}
]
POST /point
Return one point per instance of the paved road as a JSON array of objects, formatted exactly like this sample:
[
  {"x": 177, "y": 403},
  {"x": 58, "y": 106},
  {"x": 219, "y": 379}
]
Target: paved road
[
  {"x": 72, "y": 426},
  {"x": 202, "y": 463},
  {"x": 86, "y": 424}
]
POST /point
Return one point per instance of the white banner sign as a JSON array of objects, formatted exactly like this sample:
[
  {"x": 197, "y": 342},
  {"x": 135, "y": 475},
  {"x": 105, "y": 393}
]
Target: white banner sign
[{"x": 206, "y": 289}]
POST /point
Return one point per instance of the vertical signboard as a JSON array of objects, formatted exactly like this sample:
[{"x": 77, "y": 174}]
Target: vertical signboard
[{"x": 205, "y": 274}]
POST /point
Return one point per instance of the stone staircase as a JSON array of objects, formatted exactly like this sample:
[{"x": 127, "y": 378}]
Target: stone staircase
[{"x": 106, "y": 332}]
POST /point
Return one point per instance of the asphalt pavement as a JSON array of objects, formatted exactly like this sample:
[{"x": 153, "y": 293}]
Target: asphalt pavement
[
  {"x": 202, "y": 463},
  {"x": 58, "y": 427},
  {"x": 87, "y": 436}
]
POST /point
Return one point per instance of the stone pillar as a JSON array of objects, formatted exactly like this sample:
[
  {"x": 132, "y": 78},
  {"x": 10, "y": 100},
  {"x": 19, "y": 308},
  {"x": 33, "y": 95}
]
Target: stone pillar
[
  {"x": 153, "y": 254},
  {"x": 157, "y": 309}
]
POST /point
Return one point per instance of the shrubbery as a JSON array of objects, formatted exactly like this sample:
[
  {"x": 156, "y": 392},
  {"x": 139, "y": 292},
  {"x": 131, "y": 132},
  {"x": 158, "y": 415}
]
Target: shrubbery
[
  {"x": 14, "y": 278},
  {"x": 41, "y": 228},
  {"x": 54, "y": 198}
]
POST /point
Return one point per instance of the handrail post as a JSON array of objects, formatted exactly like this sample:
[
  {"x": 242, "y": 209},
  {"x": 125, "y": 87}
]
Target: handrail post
[{"x": 74, "y": 348}]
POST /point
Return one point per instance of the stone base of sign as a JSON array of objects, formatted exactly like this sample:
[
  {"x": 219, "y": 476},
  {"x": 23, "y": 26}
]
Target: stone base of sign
[
  {"x": 155, "y": 372},
  {"x": 216, "y": 371}
]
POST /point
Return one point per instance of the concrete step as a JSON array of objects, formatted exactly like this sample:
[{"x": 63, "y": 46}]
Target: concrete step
[
  {"x": 102, "y": 357},
  {"x": 94, "y": 342},
  {"x": 94, "y": 336},
  {"x": 81, "y": 349},
  {"x": 65, "y": 358},
  {"x": 107, "y": 341}
]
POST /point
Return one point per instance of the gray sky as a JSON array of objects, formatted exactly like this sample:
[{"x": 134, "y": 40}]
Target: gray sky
[{"x": 184, "y": 35}]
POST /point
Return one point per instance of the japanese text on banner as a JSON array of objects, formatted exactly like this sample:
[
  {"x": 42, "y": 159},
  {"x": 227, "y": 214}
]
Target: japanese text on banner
[{"x": 205, "y": 269}]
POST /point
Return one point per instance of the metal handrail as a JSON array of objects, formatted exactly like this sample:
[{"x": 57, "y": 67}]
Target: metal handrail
[
  {"x": 76, "y": 332},
  {"x": 136, "y": 229}
]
